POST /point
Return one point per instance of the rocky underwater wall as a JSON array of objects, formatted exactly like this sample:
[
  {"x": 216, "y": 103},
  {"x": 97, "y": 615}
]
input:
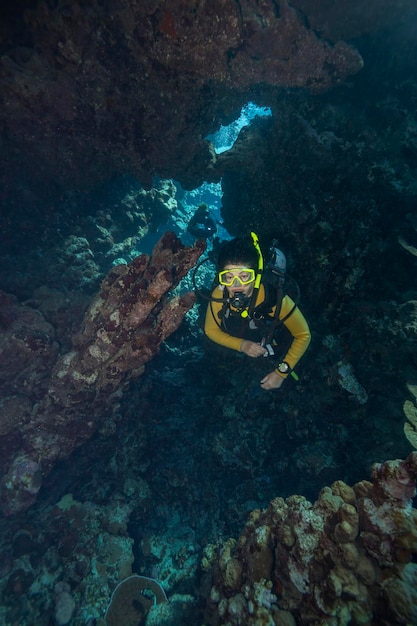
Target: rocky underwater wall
[{"x": 111, "y": 470}]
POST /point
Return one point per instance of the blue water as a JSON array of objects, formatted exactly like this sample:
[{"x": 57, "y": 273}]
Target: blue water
[{"x": 226, "y": 136}]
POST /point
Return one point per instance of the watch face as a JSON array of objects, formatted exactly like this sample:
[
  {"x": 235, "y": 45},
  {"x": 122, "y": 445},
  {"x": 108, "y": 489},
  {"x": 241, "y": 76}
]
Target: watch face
[{"x": 283, "y": 368}]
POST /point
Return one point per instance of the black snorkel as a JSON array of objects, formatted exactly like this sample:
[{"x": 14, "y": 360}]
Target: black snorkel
[{"x": 197, "y": 290}]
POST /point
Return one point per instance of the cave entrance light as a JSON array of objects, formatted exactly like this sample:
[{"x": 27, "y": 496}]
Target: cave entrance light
[
  {"x": 226, "y": 136},
  {"x": 208, "y": 193},
  {"x": 212, "y": 193}
]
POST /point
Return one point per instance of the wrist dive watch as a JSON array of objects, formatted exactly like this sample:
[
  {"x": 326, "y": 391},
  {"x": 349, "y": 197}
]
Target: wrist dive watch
[{"x": 283, "y": 368}]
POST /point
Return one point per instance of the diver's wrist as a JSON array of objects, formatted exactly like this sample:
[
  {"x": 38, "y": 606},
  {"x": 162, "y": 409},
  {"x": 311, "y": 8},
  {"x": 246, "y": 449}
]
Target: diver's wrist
[
  {"x": 279, "y": 374},
  {"x": 283, "y": 369}
]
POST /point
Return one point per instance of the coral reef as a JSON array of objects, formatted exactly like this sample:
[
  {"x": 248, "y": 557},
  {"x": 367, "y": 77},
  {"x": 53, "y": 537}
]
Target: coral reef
[
  {"x": 183, "y": 453},
  {"x": 122, "y": 330},
  {"x": 347, "y": 558},
  {"x": 64, "y": 603},
  {"x": 66, "y": 559},
  {"x": 410, "y": 412},
  {"x": 62, "y": 563},
  {"x": 347, "y": 381},
  {"x": 89, "y": 235}
]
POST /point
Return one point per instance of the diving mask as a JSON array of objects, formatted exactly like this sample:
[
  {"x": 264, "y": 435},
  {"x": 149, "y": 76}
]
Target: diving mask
[{"x": 244, "y": 276}]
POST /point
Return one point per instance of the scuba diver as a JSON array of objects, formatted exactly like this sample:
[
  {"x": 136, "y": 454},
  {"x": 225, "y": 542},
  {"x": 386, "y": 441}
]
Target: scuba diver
[
  {"x": 202, "y": 224},
  {"x": 248, "y": 309}
]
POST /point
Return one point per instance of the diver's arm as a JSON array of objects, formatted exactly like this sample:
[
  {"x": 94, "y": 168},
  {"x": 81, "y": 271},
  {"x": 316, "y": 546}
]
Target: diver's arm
[
  {"x": 212, "y": 326},
  {"x": 298, "y": 327}
]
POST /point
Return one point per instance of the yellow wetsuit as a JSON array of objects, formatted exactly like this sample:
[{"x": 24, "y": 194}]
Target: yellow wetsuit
[{"x": 295, "y": 323}]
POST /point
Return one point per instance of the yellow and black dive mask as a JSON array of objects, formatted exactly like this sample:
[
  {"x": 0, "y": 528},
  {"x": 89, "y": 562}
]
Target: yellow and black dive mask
[{"x": 243, "y": 275}]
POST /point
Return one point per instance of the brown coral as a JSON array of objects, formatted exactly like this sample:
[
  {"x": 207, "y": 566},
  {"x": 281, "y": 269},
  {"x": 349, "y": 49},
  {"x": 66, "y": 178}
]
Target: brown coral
[
  {"x": 330, "y": 557},
  {"x": 122, "y": 330}
]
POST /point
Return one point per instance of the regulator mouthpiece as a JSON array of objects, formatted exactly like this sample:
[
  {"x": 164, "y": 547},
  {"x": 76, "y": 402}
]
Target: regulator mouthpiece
[{"x": 239, "y": 300}]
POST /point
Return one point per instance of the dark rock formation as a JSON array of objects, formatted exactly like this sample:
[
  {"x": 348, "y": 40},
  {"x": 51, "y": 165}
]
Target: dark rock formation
[{"x": 92, "y": 89}]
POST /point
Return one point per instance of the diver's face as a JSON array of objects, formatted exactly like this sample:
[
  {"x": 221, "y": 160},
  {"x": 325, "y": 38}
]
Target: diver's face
[{"x": 236, "y": 275}]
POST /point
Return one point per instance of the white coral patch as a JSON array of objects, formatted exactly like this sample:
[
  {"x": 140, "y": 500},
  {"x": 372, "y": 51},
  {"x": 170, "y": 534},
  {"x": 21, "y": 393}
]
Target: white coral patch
[
  {"x": 115, "y": 317},
  {"x": 95, "y": 351},
  {"x": 348, "y": 381},
  {"x": 87, "y": 379},
  {"x": 66, "y": 362}
]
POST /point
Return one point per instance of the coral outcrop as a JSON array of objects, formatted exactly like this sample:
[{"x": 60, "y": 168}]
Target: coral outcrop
[
  {"x": 58, "y": 400},
  {"x": 347, "y": 558}
]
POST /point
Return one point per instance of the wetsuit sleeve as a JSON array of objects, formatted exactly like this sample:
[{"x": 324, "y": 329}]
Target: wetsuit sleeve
[
  {"x": 212, "y": 325},
  {"x": 298, "y": 327}
]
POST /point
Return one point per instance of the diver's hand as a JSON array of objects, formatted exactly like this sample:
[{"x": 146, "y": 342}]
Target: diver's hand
[
  {"x": 252, "y": 349},
  {"x": 272, "y": 381}
]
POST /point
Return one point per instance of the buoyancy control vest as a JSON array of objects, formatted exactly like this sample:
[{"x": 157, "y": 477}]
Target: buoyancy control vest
[{"x": 263, "y": 325}]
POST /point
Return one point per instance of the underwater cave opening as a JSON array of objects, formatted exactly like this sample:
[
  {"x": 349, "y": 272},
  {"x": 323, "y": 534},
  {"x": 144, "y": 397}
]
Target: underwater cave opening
[
  {"x": 225, "y": 137},
  {"x": 208, "y": 194}
]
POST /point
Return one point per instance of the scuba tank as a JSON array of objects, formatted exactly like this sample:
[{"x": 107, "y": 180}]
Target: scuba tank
[{"x": 277, "y": 262}]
